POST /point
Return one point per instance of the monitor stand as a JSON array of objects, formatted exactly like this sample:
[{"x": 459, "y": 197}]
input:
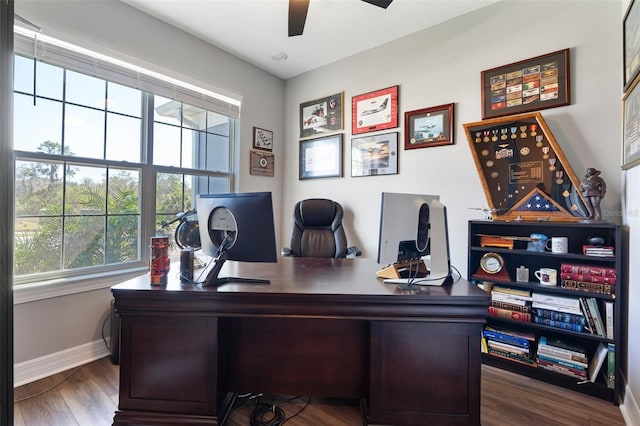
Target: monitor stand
[{"x": 212, "y": 278}]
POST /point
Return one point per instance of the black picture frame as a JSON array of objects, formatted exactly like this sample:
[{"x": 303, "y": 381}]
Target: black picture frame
[
  {"x": 324, "y": 115},
  {"x": 374, "y": 155},
  {"x": 529, "y": 85},
  {"x": 321, "y": 157}
]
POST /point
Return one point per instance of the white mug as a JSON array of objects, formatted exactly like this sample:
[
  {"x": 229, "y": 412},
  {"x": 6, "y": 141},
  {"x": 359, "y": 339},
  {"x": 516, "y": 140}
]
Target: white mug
[
  {"x": 558, "y": 244},
  {"x": 547, "y": 276}
]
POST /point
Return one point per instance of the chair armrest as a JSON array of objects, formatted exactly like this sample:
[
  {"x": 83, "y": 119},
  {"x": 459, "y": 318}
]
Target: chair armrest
[
  {"x": 286, "y": 252},
  {"x": 354, "y": 251}
]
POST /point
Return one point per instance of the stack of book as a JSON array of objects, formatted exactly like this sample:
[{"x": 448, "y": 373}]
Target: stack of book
[
  {"x": 562, "y": 357},
  {"x": 511, "y": 344},
  {"x": 510, "y": 303},
  {"x": 594, "y": 279},
  {"x": 594, "y": 321},
  {"x": 598, "y": 251},
  {"x": 558, "y": 311}
]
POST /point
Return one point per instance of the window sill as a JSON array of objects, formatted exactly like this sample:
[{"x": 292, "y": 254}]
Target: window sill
[{"x": 64, "y": 286}]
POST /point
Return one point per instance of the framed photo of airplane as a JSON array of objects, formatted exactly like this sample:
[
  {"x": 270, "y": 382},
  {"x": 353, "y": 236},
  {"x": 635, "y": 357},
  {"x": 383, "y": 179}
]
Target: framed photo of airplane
[
  {"x": 322, "y": 115},
  {"x": 374, "y": 155},
  {"x": 428, "y": 127},
  {"x": 374, "y": 111}
]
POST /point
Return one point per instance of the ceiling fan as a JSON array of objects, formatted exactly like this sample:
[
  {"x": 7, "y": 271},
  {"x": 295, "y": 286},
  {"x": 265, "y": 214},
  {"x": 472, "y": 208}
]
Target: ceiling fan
[{"x": 298, "y": 13}]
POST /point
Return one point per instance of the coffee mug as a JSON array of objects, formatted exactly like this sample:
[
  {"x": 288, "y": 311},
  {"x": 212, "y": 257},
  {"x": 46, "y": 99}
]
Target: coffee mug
[
  {"x": 538, "y": 242},
  {"x": 547, "y": 276},
  {"x": 558, "y": 245}
]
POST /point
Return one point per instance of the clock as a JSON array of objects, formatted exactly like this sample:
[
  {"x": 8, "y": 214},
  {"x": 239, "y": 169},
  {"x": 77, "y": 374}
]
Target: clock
[{"x": 492, "y": 263}]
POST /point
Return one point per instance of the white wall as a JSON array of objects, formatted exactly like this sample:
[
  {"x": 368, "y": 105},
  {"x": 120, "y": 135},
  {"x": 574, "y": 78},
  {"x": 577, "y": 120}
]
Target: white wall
[
  {"x": 113, "y": 28},
  {"x": 443, "y": 65}
]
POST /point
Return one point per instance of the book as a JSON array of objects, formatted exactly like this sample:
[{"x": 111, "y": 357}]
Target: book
[
  {"x": 507, "y": 348},
  {"x": 608, "y": 314},
  {"x": 510, "y": 306},
  {"x": 507, "y": 314},
  {"x": 596, "y": 362},
  {"x": 567, "y": 363},
  {"x": 601, "y": 251},
  {"x": 588, "y": 270},
  {"x": 595, "y": 314},
  {"x": 510, "y": 298},
  {"x": 572, "y": 310},
  {"x": 511, "y": 337},
  {"x": 579, "y": 328},
  {"x": 561, "y": 348},
  {"x": 589, "y": 326},
  {"x": 567, "y": 371},
  {"x": 589, "y": 287},
  {"x": 560, "y": 316},
  {"x": 568, "y": 303},
  {"x": 512, "y": 357},
  {"x": 611, "y": 366},
  {"x": 587, "y": 278},
  {"x": 511, "y": 290}
]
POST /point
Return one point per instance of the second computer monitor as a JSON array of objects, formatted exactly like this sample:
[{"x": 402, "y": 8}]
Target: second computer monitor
[{"x": 404, "y": 226}]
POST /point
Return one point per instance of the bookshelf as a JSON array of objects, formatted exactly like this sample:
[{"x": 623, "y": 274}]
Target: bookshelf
[{"x": 498, "y": 252}]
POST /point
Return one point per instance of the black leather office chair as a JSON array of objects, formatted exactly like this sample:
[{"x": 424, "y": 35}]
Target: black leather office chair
[{"x": 317, "y": 230}]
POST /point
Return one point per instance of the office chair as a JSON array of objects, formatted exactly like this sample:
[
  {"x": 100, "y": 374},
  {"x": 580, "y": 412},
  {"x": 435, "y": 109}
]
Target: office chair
[{"x": 317, "y": 230}]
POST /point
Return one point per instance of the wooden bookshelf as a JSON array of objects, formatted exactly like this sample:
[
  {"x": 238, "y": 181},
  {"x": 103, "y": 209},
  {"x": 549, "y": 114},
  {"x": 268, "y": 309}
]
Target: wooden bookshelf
[{"x": 519, "y": 256}]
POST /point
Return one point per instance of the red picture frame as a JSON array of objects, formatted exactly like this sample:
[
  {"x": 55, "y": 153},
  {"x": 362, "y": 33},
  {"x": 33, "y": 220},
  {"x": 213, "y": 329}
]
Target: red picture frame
[{"x": 373, "y": 111}]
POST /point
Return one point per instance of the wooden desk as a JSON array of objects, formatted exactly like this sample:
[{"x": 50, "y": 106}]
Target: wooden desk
[{"x": 324, "y": 327}]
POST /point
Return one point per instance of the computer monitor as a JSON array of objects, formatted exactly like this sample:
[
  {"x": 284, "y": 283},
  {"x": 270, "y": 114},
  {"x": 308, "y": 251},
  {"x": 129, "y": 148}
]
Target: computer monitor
[
  {"x": 236, "y": 226},
  {"x": 439, "y": 262},
  {"x": 404, "y": 227}
]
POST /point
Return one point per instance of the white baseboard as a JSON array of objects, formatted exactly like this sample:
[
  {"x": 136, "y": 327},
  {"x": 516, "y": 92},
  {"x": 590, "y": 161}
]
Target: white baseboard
[
  {"x": 36, "y": 369},
  {"x": 630, "y": 409}
]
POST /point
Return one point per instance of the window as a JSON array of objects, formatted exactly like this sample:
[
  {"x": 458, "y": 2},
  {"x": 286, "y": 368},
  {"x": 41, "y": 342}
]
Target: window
[{"x": 88, "y": 151}]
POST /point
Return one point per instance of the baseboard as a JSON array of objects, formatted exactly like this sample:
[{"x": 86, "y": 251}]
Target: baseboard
[
  {"x": 630, "y": 409},
  {"x": 36, "y": 369}
]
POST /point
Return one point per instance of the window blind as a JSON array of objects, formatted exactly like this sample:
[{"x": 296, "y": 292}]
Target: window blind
[{"x": 55, "y": 52}]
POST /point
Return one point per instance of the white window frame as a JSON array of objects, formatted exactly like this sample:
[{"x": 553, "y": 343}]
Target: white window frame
[{"x": 33, "y": 45}]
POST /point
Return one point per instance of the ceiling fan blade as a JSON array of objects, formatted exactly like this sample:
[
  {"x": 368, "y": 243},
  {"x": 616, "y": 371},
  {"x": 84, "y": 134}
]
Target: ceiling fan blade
[
  {"x": 380, "y": 3},
  {"x": 297, "y": 16}
]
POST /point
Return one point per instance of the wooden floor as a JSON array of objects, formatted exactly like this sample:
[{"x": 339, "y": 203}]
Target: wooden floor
[{"x": 88, "y": 395}]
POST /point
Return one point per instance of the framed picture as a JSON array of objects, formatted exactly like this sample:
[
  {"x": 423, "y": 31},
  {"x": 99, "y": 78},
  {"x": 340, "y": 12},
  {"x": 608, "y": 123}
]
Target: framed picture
[
  {"x": 630, "y": 126},
  {"x": 262, "y": 163},
  {"x": 321, "y": 116},
  {"x": 530, "y": 85},
  {"x": 374, "y": 111},
  {"x": 428, "y": 127},
  {"x": 375, "y": 155},
  {"x": 631, "y": 44},
  {"x": 321, "y": 157},
  {"x": 262, "y": 139}
]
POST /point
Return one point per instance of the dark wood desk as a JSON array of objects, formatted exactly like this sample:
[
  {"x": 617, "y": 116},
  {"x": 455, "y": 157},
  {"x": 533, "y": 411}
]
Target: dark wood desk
[{"x": 324, "y": 327}]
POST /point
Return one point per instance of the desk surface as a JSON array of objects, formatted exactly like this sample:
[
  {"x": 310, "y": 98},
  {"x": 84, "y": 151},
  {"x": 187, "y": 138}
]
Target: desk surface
[{"x": 343, "y": 287}]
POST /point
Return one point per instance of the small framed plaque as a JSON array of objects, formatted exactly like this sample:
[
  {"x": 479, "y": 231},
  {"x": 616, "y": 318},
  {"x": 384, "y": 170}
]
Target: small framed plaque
[{"x": 262, "y": 163}]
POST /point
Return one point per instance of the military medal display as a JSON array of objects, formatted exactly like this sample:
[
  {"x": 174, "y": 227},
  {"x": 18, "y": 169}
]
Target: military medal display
[{"x": 527, "y": 176}]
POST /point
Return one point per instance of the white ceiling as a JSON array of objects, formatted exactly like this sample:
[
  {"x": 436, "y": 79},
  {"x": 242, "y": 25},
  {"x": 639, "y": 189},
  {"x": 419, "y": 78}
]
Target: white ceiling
[{"x": 256, "y": 30}]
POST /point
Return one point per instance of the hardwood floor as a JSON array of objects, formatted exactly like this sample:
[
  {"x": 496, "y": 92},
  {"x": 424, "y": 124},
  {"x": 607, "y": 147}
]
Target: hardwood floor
[{"x": 88, "y": 395}]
